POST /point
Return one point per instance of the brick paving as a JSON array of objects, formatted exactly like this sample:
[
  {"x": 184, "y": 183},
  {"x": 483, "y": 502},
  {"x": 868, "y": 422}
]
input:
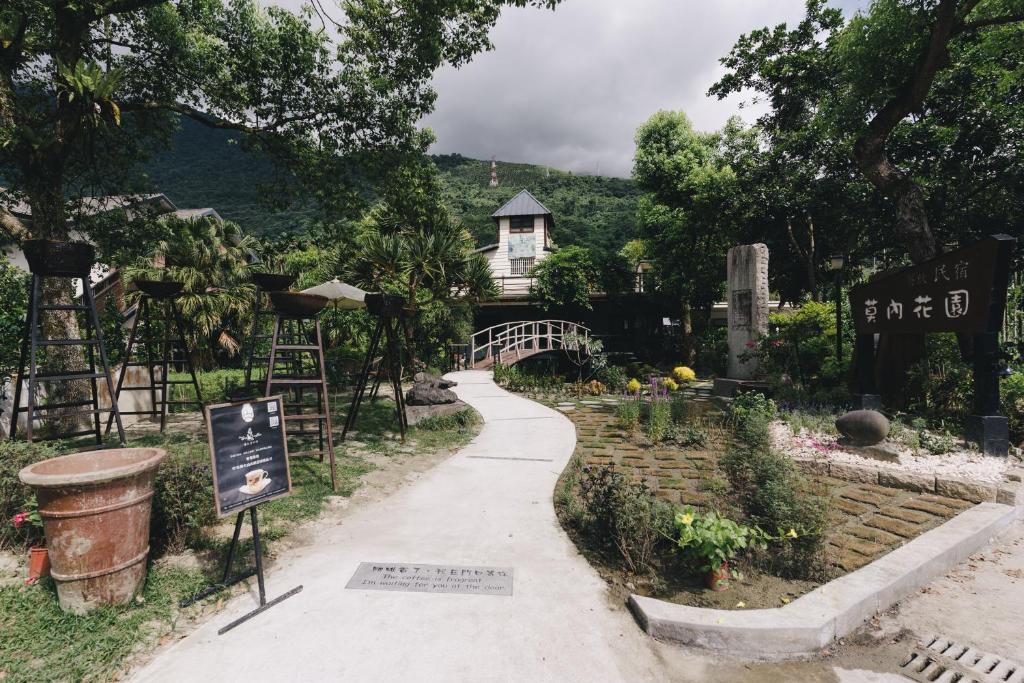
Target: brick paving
[{"x": 868, "y": 520}]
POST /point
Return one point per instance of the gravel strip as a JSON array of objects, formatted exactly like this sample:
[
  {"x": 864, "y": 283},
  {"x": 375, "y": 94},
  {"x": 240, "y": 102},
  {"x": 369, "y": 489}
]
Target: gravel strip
[{"x": 963, "y": 464}]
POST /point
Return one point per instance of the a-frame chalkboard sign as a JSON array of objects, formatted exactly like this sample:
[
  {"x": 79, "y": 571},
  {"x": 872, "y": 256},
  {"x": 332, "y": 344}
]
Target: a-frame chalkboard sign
[{"x": 249, "y": 457}]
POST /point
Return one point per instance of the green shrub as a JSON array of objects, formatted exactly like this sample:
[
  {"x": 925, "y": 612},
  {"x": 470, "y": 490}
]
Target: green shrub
[
  {"x": 773, "y": 494},
  {"x": 690, "y": 435},
  {"x": 628, "y": 413},
  {"x": 659, "y": 418},
  {"x": 613, "y": 377},
  {"x": 622, "y": 515},
  {"x": 798, "y": 355},
  {"x": 712, "y": 540},
  {"x": 183, "y": 499},
  {"x": 455, "y": 422},
  {"x": 15, "y": 497},
  {"x": 939, "y": 387},
  {"x": 1012, "y": 393},
  {"x": 937, "y": 443},
  {"x": 14, "y": 294}
]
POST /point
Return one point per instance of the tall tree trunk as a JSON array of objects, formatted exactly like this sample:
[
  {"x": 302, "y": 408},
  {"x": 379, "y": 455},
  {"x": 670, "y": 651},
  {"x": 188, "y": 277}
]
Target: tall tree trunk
[{"x": 689, "y": 349}]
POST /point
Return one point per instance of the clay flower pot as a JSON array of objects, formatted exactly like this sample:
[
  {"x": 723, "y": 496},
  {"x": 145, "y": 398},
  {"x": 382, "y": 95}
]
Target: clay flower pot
[
  {"x": 96, "y": 508},
  {"x": 38, "y": 563},
  {"x": 718, "y": 579},
  {"x": 61, "y": 259},
  {"x": 272, "y": 282}
]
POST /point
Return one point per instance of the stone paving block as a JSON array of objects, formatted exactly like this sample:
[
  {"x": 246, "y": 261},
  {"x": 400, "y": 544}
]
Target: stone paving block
[
  {"x": 859, "y": 545},
  {"x": 866, "y": 497},
  {"x": 874, "y": 535},
  {"x": 907, "y": 515},
  {"x": 893, "y": 526},
  {"x": 850, "y": 507},
  {"x": 943, "y": 500},
  {"x": 931, "y": 508}
]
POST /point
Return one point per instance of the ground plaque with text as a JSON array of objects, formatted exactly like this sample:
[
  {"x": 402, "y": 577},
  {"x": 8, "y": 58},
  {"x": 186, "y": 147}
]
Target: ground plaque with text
[{"x": 432, "y": 578}]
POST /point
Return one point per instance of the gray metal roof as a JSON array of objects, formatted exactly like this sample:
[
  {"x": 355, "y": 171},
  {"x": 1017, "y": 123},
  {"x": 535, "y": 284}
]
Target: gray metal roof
[{"x": 523, "y": 204}]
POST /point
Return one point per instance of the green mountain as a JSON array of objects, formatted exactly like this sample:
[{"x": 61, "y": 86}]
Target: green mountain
[{"x": 207, "y": 167}]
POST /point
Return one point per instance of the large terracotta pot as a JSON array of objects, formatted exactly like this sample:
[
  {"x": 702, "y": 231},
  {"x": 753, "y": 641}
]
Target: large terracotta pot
[
  {"x": 297, "y": 304},
  {"x": 272, "y": 282},
  {"x": 96, "y": 508},
  {"x": 718, "y": 579}
]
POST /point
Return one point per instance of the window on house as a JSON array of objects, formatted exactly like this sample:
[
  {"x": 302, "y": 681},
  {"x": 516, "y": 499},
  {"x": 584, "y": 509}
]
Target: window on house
[{"x": 521, "y": 224}]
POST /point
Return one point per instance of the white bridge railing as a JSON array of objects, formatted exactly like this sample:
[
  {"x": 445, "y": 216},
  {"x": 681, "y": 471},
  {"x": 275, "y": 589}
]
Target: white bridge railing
[{"x": 522, "y": 339}]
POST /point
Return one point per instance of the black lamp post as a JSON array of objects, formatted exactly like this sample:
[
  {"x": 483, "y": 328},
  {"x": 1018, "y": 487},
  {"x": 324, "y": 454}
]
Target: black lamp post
[{"x": 836, "y": 264}]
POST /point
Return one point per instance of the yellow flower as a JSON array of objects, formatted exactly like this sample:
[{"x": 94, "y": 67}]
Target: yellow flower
[
  {"x": 686, "y": 518},
  {"x": 741, "y": 604},
  {"x": 684, "y": 374},
  {"x": 792, "y": 533},
  {"x": 634, "y": 386},
  {"x": 669, "y": 383}
]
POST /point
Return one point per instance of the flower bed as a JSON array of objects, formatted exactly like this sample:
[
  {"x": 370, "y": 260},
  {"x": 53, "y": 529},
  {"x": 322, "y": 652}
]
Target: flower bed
[{"x": 865, "y": 520}]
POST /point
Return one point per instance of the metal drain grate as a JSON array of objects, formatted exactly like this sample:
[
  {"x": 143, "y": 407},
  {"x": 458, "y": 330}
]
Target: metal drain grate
[{"x": 938, "y": 660}]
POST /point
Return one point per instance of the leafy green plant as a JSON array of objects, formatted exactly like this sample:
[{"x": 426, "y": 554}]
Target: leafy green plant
[
  {"x": 773, "y": 493},
  {"x": 690, "y": 435},
  {"x": 621, "y": 513},
  {"x": 659, "y": 415},
  {"x": 182, "y": 500},
  {"x": 937, "y": 443},
  {"x": 628, "y": 413},
  {"x": 16, "y": 498},
  {"x": 713, "y": 540}
]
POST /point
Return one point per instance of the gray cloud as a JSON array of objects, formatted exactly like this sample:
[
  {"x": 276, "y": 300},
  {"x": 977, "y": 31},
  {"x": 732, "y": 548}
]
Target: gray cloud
[{"x": 569, "y": 88}]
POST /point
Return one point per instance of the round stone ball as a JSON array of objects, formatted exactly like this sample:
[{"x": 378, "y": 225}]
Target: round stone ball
[{"x": 863, "y": 427}]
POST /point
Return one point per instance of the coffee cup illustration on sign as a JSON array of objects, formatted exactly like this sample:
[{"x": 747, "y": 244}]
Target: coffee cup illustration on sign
[{"x": 255, "y": 481}]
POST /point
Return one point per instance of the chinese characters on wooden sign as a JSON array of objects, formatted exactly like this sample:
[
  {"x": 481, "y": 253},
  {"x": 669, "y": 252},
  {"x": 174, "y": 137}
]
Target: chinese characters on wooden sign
[{"x": 962, "y": 291}]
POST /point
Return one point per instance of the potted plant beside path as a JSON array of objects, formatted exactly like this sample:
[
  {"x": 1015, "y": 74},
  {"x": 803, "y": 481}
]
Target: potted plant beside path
[
  {"x": 713, "y": 541},
  {"x": 95, "y": 509}
]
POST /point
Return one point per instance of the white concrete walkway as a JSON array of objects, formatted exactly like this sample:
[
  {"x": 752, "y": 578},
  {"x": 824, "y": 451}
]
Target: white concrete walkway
[{"x": 481, "y": 507}]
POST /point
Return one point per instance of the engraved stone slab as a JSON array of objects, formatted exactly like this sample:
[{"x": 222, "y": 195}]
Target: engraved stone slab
[
  {"x": 431, "y": 578},
  {"x": 747, "y": 270}
]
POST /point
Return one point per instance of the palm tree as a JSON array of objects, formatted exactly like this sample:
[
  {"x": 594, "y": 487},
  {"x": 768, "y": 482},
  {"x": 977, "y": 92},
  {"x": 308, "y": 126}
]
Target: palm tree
[
  {"x": 430, "y": 262},
  {"x": 211, "y": 259}
]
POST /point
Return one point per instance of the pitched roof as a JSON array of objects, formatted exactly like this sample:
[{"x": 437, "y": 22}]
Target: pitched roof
[{"x": 523, "y": 204}]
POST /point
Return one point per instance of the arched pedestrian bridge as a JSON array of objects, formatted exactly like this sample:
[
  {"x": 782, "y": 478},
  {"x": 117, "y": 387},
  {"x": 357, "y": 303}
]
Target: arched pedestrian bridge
[{"x": 509, "y": 343}]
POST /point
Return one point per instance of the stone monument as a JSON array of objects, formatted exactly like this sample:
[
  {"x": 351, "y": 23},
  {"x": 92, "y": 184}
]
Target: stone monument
[{"x": 747, "y": 299}]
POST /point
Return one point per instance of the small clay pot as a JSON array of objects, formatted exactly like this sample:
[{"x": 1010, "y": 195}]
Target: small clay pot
[
  {"x": 59, "y": 259},
  {"x": 718, "y": 579},
  {"x": 38, "y": 562},
  {"x": 297, "y": 304},
  {"x": 159, "y": 289},
  {"x": 272, "y": 282}
]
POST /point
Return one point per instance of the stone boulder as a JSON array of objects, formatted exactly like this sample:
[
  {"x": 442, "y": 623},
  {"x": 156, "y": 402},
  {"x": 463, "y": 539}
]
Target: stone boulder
[
  {"x": 421, "y": 377},
  {"x": 863, "y": 427},
  {"x": 430, "y": 391}
]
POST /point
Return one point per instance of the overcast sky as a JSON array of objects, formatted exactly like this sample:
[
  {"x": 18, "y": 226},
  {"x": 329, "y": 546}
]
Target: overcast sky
[{"x": 569, "y": 88}]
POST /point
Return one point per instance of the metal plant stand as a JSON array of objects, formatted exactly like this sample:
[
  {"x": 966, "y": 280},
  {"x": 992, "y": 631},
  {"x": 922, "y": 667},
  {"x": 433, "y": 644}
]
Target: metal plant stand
[
  {"x": 296, "y": 365},
  {"x": 151, "y": 345},
  {"x": 66, "y": 260},
  {"x": 388, "y": 310},
  {"x": 263, "y": 317}
]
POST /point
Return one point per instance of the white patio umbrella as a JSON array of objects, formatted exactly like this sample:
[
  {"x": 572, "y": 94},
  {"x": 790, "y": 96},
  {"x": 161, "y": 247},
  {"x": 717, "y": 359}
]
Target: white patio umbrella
[{"x": 342, "y": 295}]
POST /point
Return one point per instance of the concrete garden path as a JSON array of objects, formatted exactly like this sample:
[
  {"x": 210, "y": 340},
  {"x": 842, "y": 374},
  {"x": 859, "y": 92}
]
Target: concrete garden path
[{"x": 491, "y": 505}]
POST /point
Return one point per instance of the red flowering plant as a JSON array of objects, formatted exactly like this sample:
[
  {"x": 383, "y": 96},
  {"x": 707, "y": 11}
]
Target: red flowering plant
[
  {"x": 798, "y": 356},
  {"x": 29, "y": 523}
]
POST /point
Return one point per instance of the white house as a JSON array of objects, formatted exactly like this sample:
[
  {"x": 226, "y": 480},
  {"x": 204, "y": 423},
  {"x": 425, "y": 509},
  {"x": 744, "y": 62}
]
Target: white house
[{"x": 524, "y": 238}]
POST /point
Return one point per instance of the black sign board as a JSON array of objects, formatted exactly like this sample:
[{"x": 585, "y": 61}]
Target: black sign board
[
  {"x": 249, "y": 453},
  {"x": 961, "y": 291}
]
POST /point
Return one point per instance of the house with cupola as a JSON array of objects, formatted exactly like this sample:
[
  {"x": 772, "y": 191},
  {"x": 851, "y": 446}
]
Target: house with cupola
[{"x": 522, "y": 239}]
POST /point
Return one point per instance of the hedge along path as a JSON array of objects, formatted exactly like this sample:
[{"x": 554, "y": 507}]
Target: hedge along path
[
  {"x": 868, "y": 520},
  {"x": 488, "y": 505}
]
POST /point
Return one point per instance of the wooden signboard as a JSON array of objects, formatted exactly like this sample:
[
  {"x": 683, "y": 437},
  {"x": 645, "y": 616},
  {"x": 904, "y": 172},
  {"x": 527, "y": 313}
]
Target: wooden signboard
[
  {"x": 249, "y": 453},
  {"x": 962, "y": 291}
]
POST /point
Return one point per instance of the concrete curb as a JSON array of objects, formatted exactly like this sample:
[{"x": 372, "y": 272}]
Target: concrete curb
[{"x": 831, "y": 611}]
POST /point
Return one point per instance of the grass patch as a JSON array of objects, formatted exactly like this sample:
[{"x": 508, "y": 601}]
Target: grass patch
[
  {"x": 42, "y": 643},
  {"x": 815, "y": 421}
]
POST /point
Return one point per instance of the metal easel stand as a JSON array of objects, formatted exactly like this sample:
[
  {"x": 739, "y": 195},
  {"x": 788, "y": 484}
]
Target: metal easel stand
[
  {"x": 390, "y": 364},
  {"x": 228, "y": 580}
]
